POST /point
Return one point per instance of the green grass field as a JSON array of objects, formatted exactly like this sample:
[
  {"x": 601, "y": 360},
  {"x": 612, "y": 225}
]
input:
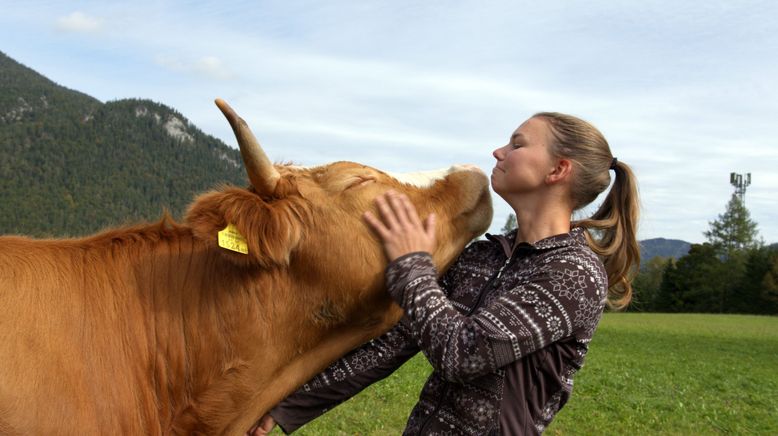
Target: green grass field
[{"x": 644, "y": 374}]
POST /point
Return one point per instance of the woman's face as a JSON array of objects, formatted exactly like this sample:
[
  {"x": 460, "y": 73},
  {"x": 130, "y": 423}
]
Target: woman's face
[{"x": 525, "y": 161}]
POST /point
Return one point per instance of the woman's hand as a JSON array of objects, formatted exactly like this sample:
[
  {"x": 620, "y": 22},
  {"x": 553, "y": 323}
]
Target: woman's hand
[
  {"x": 262, "y": 427},
  {"x": 401, "y": 230}
]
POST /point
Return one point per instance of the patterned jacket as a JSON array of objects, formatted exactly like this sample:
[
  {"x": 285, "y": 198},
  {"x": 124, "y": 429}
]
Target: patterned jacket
[{"x": 504, "y": 330}]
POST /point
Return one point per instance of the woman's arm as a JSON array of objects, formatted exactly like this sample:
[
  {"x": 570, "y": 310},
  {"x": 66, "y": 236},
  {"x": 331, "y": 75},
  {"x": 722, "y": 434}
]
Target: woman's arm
[
  {"x": 345, "y": 378},
  {"x": 548, "y": 306}
]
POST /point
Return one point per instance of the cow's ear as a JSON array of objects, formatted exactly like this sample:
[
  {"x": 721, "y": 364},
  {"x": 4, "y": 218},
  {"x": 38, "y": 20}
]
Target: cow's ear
[{"x": 269, "y": 230}]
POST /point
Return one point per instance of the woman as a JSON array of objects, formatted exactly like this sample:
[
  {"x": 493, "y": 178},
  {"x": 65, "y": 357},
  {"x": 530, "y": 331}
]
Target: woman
[{"x": 510, "y": 322}]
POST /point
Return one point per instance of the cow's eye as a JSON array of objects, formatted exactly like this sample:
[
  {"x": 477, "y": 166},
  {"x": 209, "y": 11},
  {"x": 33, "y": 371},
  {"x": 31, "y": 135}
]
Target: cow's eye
[{"x": 360, "y": 181}]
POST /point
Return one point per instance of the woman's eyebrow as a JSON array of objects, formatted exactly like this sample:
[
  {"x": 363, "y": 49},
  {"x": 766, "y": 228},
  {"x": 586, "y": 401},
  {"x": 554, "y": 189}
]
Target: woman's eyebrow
[{"x": 516, "y": 135}]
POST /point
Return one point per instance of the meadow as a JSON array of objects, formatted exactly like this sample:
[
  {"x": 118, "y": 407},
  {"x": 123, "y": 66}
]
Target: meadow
[{"x": 644, "y": 374}]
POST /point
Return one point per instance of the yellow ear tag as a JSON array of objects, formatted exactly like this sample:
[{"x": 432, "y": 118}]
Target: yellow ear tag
[{"x": 231, "y": 239}]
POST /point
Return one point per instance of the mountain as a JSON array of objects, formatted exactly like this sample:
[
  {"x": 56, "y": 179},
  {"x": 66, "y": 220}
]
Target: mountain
[
  {"x": 70, "y": 164},
  {"x": 650, "y": 248}
]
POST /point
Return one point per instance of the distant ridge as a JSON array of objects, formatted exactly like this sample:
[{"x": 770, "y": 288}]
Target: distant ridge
[
  {"x": 650, "y": 248},
  {"x": 70, "y": 164}
]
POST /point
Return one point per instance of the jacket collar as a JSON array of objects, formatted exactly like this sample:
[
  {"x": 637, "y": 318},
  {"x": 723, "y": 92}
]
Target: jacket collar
[{"x": 575, "y": 236}]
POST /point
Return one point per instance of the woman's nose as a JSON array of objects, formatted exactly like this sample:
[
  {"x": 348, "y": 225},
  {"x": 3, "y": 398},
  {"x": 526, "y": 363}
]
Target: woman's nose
[{"x": 497, "y": 153}]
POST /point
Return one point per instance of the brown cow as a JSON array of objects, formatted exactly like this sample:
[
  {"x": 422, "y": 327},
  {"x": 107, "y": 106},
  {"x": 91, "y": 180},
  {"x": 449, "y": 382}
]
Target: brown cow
[{"x": 156, "y": 329}]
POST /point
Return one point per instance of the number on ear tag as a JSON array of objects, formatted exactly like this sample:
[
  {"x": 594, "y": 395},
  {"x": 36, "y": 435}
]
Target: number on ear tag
[{"x": 231, "y": 239}]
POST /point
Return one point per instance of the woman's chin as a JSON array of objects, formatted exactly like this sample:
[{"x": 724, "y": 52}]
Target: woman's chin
[{"x": 495, "y": 185}]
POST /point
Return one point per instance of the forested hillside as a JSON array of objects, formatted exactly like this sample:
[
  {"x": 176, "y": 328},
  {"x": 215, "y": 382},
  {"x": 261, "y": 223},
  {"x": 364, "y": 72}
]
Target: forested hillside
[{"x": 70, "y": 165}]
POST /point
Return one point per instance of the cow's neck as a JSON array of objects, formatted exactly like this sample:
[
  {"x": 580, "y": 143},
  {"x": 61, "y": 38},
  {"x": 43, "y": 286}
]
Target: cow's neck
[
  {"x": 226, "y": 343},
  {"x": 193, "y": 304},
  {"x": 301, "y": 367}
]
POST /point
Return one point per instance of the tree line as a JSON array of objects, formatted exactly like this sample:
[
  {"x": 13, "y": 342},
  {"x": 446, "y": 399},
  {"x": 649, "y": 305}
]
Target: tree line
[{"x": 733, "y": 271}]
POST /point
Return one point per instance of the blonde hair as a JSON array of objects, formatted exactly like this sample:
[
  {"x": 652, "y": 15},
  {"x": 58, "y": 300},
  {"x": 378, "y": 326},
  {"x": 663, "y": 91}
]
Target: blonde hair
[{"x": 615, "y": 222}]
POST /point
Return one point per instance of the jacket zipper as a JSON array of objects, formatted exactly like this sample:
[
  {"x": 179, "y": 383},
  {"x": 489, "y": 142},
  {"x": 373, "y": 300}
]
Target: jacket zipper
[
  {"x": 481, "y": 296},
  {"x": 492, "y": 281}
]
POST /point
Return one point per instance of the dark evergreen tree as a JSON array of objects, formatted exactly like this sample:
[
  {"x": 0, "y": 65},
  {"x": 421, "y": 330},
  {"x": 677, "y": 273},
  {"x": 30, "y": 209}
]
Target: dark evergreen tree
[
  {"x": 735, "y": 237},
  {"x": 669, "y": 297},
  {"x": 647, "y": 284},
  {"x": 733, "y": 231},
  {"x": 510, "y": 224},
  {"x": 698, "y": 282},
  {"x": 752, "y": 290},
  {"x": 769, "y": 285}
]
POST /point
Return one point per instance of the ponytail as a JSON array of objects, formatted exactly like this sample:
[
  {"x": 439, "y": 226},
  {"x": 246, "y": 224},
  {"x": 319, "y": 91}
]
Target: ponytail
[{"x": 615, "y": 223}]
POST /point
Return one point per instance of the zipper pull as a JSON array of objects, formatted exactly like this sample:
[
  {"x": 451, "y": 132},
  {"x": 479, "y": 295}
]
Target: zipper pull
[{"x": 499, "y": 273}]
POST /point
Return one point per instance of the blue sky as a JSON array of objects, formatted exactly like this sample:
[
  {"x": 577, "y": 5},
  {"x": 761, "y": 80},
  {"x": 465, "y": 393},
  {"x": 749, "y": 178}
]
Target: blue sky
[{"x": 685, "y": 92}]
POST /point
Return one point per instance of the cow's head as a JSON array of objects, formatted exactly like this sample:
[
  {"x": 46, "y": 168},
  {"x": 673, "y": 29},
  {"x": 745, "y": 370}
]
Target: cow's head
[{"x": 309, "y": 220}]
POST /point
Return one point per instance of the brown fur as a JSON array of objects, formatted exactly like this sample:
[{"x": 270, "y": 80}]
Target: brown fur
[{"x": 154, "y": 329}]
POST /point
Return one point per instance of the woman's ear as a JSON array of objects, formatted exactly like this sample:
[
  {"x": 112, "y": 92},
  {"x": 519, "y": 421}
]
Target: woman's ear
[{"x": 561, "y": 172}]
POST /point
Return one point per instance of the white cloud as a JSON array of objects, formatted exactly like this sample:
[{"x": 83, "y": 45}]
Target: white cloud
[
  {"x": 206, "y": 66},
  {"x": 213, "y": 67},
  {"x": 79, "y": 22}
]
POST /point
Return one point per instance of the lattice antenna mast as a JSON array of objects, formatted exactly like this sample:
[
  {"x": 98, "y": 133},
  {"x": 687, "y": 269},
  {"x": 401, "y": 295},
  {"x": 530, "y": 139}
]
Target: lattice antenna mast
[{"x": 740, "y": 182}]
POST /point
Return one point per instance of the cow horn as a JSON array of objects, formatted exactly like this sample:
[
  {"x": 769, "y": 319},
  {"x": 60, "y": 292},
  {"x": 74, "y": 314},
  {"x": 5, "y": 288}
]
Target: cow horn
[{"x": 262, "y": 174}]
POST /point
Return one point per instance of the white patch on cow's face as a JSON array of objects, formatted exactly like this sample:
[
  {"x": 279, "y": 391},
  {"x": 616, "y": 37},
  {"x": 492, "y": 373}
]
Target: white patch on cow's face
[{"x": 425, "y": 179}]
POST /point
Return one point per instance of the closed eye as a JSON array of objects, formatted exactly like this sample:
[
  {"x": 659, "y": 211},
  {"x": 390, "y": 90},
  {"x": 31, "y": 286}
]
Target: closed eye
[
  {"x": 516, "y": 140},
  {"x": 360, "y": 181}
]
